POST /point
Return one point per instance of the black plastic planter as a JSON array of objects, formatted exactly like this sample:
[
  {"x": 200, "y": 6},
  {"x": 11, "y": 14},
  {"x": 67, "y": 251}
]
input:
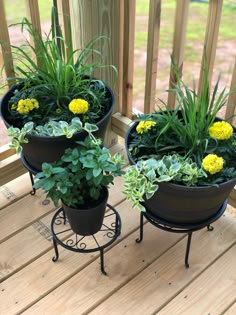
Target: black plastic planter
[
  {"x": 87, "y": 220},
  {"x": 183, "y": 204},
  {"x": 42, "y": 149}
]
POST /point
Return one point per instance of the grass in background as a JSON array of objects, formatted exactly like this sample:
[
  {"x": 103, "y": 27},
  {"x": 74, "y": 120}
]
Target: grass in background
[
  {"x": 15, "y": 15},
  {"x": 197, "y": 19}
]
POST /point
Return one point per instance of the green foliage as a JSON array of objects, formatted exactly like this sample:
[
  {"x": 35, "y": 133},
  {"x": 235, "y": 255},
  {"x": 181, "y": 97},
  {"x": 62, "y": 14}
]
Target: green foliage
[
  {"x": 141, "y": 180},
  {"x": 78, "y": 177},
  {"x": 185, "y": 130},
  {"x": 53, "y": 73},
  {"x": 52, "y": 128},
  {"x": 178, "y": 141}
]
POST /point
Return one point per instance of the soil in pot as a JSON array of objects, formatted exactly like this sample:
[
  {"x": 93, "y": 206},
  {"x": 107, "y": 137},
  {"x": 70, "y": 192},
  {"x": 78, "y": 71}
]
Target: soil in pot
[
  {"x": 42, "y": 149},
  {"x": 182, "y": 204}
]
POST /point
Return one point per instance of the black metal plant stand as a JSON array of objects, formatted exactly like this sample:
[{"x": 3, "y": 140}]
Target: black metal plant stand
[
  {"x": 179, "y": 228},
  {"x": 31, "y": 171},
  {"x": 108, "y": 233}
]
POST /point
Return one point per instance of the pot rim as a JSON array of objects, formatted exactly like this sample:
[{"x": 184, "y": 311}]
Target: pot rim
[
  {"x": 46, "y": 138},
  {"x": 103, "y": 196},
  {"x": 176, "y": 186}
]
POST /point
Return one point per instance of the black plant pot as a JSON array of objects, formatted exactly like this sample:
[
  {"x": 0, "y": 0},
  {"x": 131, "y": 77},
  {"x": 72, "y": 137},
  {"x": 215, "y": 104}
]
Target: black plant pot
[
  {"x": 182, "y": 204},
  {"x": 87, "y": 220},
  {"x": 42, "y": 149}
]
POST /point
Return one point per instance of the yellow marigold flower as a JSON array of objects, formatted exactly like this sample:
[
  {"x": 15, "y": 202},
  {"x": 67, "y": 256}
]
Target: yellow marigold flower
[
  {"x": 144, "y": 126},
  {"x": 24, "y": 106},
  {"x": 78, "y": 106},
  {"x": 221, "y": 130},
  {"x": 213, "y": 163}
]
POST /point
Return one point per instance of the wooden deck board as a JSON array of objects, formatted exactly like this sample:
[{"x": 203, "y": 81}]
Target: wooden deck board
[
  {"x": 146, "y": 278},
  {"x": 219, "y": 286},
  {"x": 231, "y": 310},
  {"x": 166, "y": 277}
]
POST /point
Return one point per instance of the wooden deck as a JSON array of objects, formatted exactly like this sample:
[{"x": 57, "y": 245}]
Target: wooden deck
[{"x": 146, "y": 278}]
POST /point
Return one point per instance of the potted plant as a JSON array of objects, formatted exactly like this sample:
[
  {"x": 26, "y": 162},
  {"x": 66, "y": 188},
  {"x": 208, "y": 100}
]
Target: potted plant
[
  {"x": 55, "y": 84},
  {"x": 183, "y": 160},
  {"x": 80, "y": 180}
]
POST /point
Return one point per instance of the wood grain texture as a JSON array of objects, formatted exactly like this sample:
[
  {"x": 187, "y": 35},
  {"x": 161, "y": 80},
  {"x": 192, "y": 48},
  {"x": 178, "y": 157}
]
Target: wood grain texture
[
  {"x": 27, "y": 209},
  {"x": 231, "y": 108},
  {"x": 11, "y": 168},
  {"x": 222, "y": 275},
  {"x": 160, "y": 282},
  {"x": 33, "y": 286},
  {"x": 37, "y": 236},
  {"x": 64, "y": 17},
  {"x": 5, "y": 152},
  {"x": 128, "y": 56},
  {"x": 231, "y": 310},
  {"x": 15, "y": 190},
  {"x": 123, "y": 262},
  {"x": 211, "y": 37},
  {"x": 105, "y": 19},
  {"x": 152, "y": 54},
  {"x": 232, "y": 198},
  {"x": 120, "y": 124},
  {"x": 32, "y": 8},
  {"x": 5, "y": 49},
  {"x": 181, "y": 17},
  {"x": 142, "y": 278}
]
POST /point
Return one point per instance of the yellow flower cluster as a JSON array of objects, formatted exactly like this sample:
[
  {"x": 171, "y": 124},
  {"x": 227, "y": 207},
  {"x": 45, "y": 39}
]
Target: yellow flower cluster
[
  {"x": 78, "y": 106},
  {"x": 221, "y": 130},
  {"x": 213, "y": 163},
  {"x": 25, "y": 106},
  {"x": 144, "y": 126}
]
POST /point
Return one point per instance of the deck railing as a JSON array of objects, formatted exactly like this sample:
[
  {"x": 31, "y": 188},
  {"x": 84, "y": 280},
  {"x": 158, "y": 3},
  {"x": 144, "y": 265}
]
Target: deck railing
[{"x": 116, "y": 20}]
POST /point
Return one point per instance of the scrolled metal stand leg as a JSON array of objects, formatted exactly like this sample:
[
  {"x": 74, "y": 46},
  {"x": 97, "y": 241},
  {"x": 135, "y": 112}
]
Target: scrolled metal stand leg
[
  {"x": 102, "y": 262},
  {"x": 64, "y": 215},
  {"x": 55, "y": 258},
  {"x": 210, "y": 228},
  {"x": 117, "y": 226},
  {"x": 32, "y": 183},
  {"x": 188, "y": 249},
  {"x": 139, "y": 240}
]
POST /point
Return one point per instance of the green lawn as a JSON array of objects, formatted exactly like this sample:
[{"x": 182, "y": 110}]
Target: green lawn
[
  {"x": 16, "y": 10},
  {"x": 195, "y": 32},
  {"x": 195, "y": 37}
]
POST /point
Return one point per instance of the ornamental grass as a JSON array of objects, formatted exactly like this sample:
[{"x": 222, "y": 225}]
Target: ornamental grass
[
  {"x": 190, "y": 133},
  {"x": 56, "y": 77}
]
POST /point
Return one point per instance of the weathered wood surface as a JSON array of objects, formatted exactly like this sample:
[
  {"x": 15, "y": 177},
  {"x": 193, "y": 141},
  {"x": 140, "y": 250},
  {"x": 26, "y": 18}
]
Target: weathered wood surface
[{"x": 146, "y": 278}]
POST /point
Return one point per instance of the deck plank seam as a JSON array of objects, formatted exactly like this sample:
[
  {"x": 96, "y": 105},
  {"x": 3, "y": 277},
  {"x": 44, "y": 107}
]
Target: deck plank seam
[
  {"x": 38, "y": 228},
  {"x": 194, "y": 278},
  {"x": 228, "y": 307},
  {"x": 93, "y": 307},
  {"x": 25, "y": 226},
  {"x": 79, "y": 269}
]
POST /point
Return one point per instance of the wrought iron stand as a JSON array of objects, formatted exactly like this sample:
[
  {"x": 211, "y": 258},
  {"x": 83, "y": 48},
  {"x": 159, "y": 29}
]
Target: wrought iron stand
[
  {"x": 108, "y": 233},
  {"x": 179, "y": 228},
  {"x": 31, "y": 171}
]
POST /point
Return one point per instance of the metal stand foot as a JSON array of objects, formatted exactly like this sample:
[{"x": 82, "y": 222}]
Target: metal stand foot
[
  {"x": 102, "y": 262},
  {"x": 139, "y": 240},
  {"x": 32, "y": 183},
  {"x": 176, "y": 227},
  {"x": 210, "y": 228},
  {"x": 188, "y": 249},
  {"x": 55, "y": 258}
]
